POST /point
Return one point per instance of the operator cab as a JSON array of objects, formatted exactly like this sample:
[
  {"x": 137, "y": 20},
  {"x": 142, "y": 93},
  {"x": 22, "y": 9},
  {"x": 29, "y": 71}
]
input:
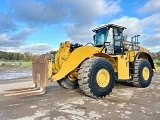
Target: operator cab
[{"x": 112, "y": 35}]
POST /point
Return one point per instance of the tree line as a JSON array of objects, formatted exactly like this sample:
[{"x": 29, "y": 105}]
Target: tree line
[
  {"x": 155, "y": 55},
  {"x": 27, "y": 56},
  {"x": 11, "y": 56}
]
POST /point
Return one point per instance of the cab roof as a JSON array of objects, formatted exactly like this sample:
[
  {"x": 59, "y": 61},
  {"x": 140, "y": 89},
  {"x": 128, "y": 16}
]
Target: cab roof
[{"x": 110, "y": 26}]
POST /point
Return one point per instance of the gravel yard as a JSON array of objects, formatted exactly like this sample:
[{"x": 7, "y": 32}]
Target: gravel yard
[{"x": 125, "y": 102}]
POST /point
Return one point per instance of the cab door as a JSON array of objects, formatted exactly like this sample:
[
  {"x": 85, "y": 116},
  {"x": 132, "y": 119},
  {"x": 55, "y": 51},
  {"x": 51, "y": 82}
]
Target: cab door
[
  {"x": 110, "y": 47},
  {"x": 118, "y": 38}
]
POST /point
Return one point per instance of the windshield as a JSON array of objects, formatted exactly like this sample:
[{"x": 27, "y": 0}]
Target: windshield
[{"x": 100, "y": 36}]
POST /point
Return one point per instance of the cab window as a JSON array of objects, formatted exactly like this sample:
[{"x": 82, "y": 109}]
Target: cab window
[{"x": 100, "y": 36}]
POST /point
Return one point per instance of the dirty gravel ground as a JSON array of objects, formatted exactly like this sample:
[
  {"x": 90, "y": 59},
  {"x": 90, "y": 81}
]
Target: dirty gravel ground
[{"x": 125, "y": 102}]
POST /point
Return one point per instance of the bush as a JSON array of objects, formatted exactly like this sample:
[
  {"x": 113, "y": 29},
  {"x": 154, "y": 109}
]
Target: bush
[
  {"x": 3, "y": 64},
  {"x": 158, "y": 63}
]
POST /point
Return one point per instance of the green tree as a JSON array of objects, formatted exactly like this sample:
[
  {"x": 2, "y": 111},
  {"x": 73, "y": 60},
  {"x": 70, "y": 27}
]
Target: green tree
[{"x": 27, "y": 56}]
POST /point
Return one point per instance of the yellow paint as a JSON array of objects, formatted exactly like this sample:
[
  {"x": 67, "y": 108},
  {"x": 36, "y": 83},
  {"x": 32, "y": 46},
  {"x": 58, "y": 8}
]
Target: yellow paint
[
  {"x": 156, "y": 68},
  {"x": 128, "y": 46},
  {"x": 62, "y": 55},
  {"x": 66, "y": 62},
  {"x": 103, "y": 78},
  {"x": 72, "y": 76},
  {"x": 123, "y": 67},
  {"x": 132, "y": 55},
  {"x": 75, "y": 58},
  {"x": 54, "y": 70},
  {"x": 49, "y": 69},
  {"x": 120, "y": 63},
  {"x": 56, "y": 60},
  {"x": 145, "y": 73},
  {"x": 108, "y": 57},
  {"x": 143, "y": 49}
]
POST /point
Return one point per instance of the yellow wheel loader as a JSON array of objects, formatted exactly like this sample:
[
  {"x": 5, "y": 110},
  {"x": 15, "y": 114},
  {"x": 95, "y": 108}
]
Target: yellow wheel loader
[{"x": 93, "y": 67}]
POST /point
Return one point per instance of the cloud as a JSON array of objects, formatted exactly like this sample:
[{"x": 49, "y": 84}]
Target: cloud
[
  {"x": 153, "y": 20},
  {"x": 84, "y": 15},
  {"x": 82, "y": 34},
  {"x": 133, "y": 25},
  {"x": 51, "y": 12},
  {"x": 85, "y": 12},
  {"x": 150, "y": 6},
  {"x": 39, "y": 13},
  {"x": 10, "y": 49},
  {"x": 148, "y": 28},
  {"x": 23, "y": 35},
  {"x": 6, "y": 23},
  {"x": 152, "y": 42},
  {"x": 15, "y": 40},
  {"x": 6, "y": 41},
  {"x": 38, "y": 48},
  {"x": 79, "y": 16}
]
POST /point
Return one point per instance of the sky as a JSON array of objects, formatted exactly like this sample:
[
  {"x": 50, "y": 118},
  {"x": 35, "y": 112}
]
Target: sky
[{"x": 39, "y": 26}]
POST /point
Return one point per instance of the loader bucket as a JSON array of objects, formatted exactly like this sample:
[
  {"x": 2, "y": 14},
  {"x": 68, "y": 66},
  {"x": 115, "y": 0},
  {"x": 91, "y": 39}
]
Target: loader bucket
[{"x": 39, "y": 76}]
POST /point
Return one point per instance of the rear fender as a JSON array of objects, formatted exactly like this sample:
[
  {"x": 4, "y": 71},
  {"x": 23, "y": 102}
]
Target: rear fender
[
  {"x": 144, "y": 55},
  {"x": 74, "y": 60}
]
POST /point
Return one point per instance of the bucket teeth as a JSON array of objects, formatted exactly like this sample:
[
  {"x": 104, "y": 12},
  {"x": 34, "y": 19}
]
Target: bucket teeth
[{"x": 27, "y": 93}]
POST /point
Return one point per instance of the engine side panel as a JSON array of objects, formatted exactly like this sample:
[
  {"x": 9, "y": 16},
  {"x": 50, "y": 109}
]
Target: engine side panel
[{"x": 123, "y": 67}]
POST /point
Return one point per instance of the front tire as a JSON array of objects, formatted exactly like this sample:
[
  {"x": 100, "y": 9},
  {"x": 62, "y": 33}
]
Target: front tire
[
  {"x": 96, "y": 77},
  {"x": 66, "y": 83}
]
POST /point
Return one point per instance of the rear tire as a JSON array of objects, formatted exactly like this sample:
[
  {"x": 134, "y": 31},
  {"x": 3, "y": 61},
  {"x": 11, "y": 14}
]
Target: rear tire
[
  {"x": 96, "y": 77},
  {"x": 143, "y": 73},
  {"x": 66, "y": 83}
]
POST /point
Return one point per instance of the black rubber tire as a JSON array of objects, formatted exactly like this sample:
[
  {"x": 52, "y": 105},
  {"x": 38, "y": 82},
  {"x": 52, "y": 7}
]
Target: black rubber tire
[
  {"x": 87, "y": 77},
  {"x": 138, "y": 80},
  {"x": 66, "y": 83}
]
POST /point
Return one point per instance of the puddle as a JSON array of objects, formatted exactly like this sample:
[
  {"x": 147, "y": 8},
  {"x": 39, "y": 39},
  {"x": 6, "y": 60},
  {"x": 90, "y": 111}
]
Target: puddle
[{"x": 6, "y": 74}]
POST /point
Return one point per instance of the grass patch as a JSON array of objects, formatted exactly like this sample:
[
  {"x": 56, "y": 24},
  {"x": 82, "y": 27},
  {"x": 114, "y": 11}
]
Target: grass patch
[
  {"x": 26, "y": 64},
  {"x": 158, "y": 64},
  {"x": 16, "y": 64}
]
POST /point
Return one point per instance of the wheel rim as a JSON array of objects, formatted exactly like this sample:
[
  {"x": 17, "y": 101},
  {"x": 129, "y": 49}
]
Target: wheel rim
[
  {"x": 71, "y": 78},
  {"x": 145, "y": 73},
  {"x": 103, "y": 78}
]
